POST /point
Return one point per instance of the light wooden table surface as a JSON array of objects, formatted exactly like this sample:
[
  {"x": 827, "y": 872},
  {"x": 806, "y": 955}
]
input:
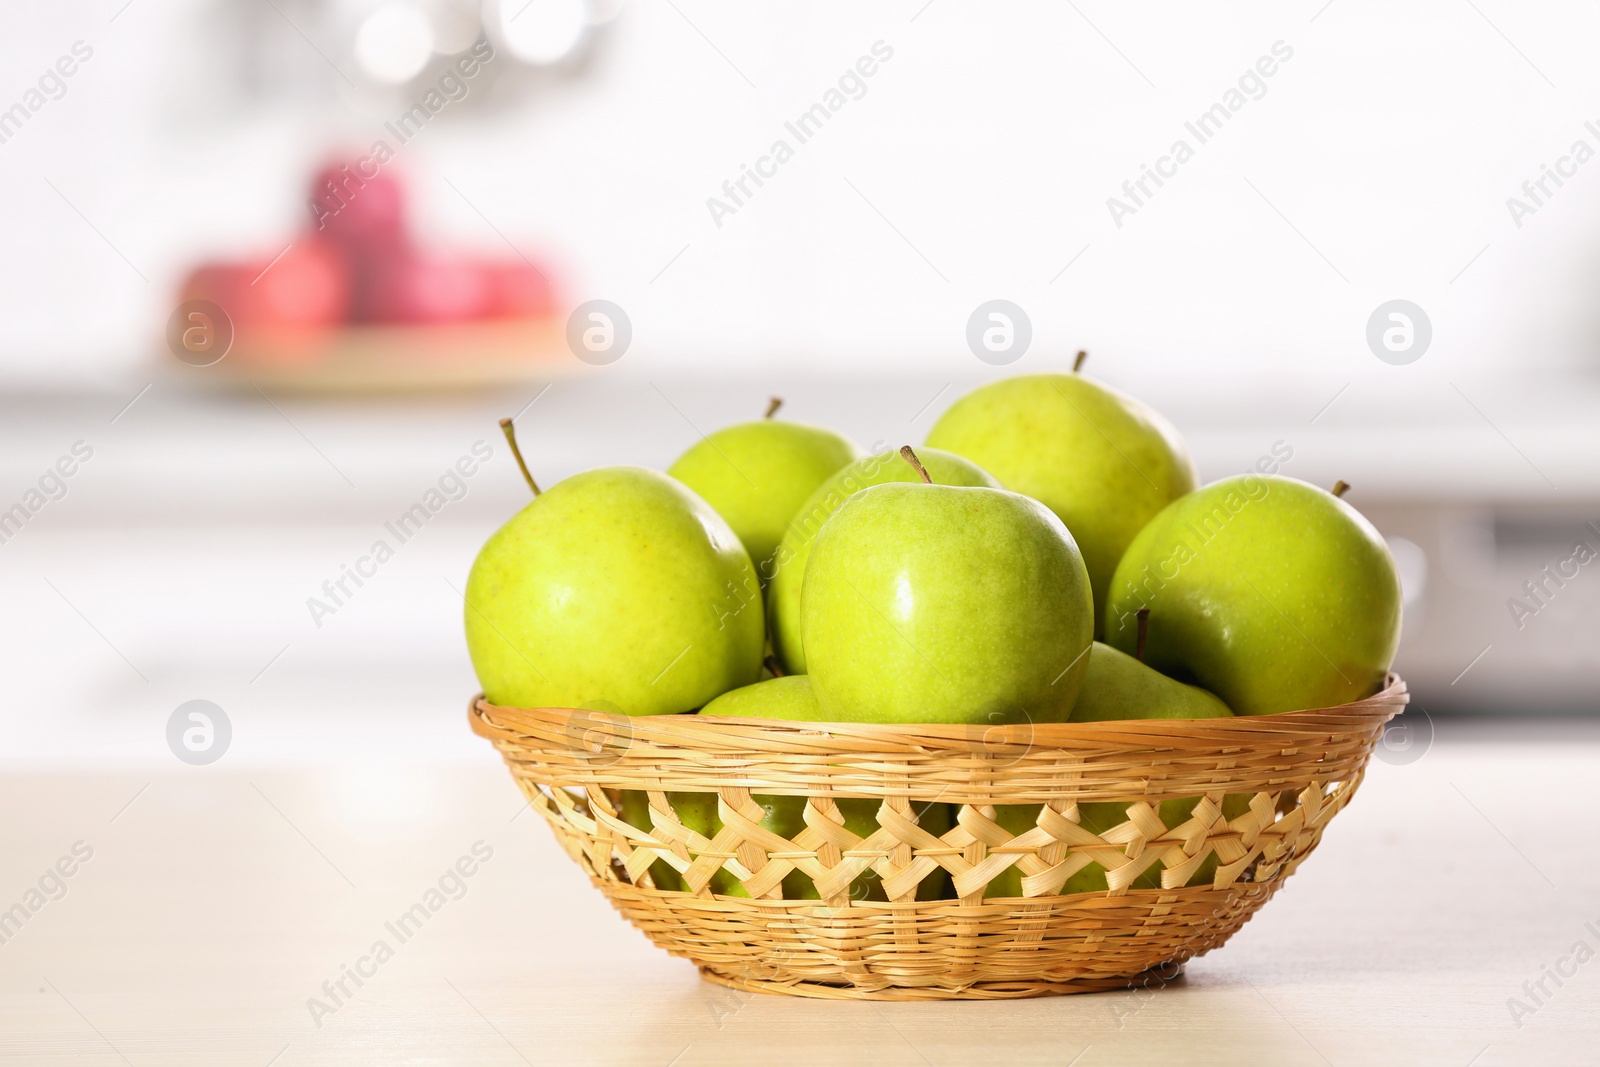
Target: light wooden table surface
[{"x": 218, "y": 900}]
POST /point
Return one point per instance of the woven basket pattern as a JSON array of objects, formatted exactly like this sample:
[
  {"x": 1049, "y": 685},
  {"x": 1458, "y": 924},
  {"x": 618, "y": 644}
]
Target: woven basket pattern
[{"x": 1282, "y": 776}]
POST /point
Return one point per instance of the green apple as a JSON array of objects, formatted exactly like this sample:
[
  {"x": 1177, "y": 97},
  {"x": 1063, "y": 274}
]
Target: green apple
[
  {"x": 616, "y": 589},
  {"x": 1095, "y": 817},
  {"x": 758, "y": 474},
  {"x": 697, "y": 812},
  {"x": 1117, "y": 686},
  {"x": 1098, "y": 817},
  {"x": 1273, "y": 594},
  {"x": 784, "y": 816},
  {"x": 861, "y": 819},
  {"x": 788, "y": 697},
  {"x": 783, "y": 594},
  {"x": 791, "y": 697},
  {"x": 932, "y": 603},
  {"x": 635, "y": 811},
  {"x": 1102, "y": 461}
]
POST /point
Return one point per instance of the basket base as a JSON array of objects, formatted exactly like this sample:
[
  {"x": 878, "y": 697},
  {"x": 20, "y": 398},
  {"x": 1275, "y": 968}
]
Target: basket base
[{"x": 1155, "y": 977}]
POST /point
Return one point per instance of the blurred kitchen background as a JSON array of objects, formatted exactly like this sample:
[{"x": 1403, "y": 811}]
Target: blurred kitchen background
[{"x": 154, "y": 152}]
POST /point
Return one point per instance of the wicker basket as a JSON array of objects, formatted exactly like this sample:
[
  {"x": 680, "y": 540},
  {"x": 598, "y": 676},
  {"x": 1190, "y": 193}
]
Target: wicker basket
[{"x": 1296, "y": 770}]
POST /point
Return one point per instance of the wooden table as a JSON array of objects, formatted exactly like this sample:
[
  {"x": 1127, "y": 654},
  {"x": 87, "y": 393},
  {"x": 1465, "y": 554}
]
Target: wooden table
[{"x": 219, "y": 900}]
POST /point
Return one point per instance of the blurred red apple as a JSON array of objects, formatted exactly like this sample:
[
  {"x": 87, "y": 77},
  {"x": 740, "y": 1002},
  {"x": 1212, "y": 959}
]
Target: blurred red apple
[
  {"x": 360, "y": 209},
  {"x": 217, "y": 282},
  {"x": 309, "y": 286},
  {"x": 419, "y": 288},
  {"x": 518, "y": 289},
  {"x": 305, "y": 288}
]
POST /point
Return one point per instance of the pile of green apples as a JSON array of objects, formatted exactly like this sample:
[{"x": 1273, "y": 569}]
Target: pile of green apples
[{"x": 1044, "y": 557}]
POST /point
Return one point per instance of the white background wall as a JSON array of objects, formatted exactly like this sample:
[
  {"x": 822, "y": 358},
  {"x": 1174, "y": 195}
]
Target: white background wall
[
  {"x": 991, "y": 141},
  {"x": 976, "y": 166}
]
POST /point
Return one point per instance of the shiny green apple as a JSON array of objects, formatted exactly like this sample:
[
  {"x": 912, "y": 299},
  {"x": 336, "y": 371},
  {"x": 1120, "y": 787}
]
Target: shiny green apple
[
  {"x": 1117, "y": 686},
  {"x": 945, "y": 604},
  {"x": 1102, "y": 461},
  {"x": 1273, "y": 594},
  {"x": 617, "y": 589},
  {"x": 758, "y": 474},
  {"x": 783, "y": 594},
  {"x": 788, "y": 697}
]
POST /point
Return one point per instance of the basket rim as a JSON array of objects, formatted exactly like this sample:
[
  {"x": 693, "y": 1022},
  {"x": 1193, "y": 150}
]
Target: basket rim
[
  {"x": 508, "y": 725},
  {"x": 505, "y": 724}
]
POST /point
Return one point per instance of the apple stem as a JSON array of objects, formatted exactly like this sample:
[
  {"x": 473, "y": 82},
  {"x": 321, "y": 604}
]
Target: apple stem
[
  {"x": 916, "y": 464},
  {"x": 511, "y": 439},
  {"x": 1077, "y": 364},
  {"x": 773, "y": 405},
  {"x": 771, "y": 663},
  {"x": 1341, "y": 487},
  {"x": 1143, "y": 617}
]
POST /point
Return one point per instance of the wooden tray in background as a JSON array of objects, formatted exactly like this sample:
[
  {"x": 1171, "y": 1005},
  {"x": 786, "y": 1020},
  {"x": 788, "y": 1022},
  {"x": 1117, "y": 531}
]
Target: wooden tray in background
[{"x": 392, "y": 359}]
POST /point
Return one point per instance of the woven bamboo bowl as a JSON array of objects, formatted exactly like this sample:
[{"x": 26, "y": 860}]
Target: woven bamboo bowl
[{"x": 1299, "y": 770}]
